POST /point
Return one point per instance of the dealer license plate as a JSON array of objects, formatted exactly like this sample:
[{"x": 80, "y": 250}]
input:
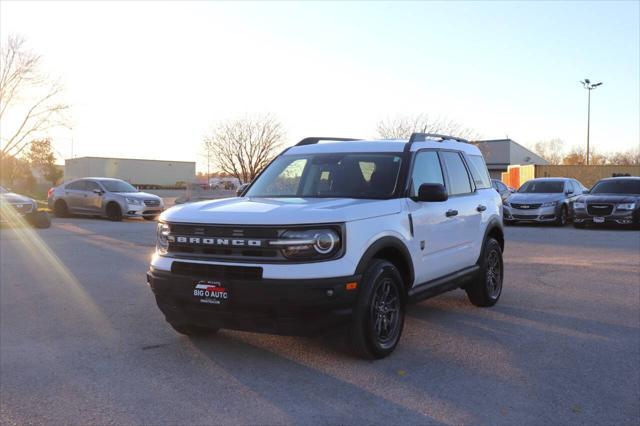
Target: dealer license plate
[
  {"x": 598, "y": 219},
  {"x": 211, "y": 292}
]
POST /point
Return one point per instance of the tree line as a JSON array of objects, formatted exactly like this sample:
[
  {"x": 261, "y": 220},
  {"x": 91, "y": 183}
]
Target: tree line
[{"x": 555, "y": 152}]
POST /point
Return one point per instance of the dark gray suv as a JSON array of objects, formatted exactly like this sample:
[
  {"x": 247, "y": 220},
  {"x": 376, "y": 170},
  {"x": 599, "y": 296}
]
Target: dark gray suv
[{"x": 543, "y": 200}]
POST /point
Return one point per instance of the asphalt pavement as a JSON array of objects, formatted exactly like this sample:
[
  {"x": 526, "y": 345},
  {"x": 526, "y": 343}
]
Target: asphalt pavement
[{"x": 82, "y": 342}]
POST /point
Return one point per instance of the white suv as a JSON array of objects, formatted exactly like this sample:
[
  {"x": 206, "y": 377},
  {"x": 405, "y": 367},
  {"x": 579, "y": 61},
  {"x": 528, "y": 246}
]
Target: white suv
[{"x": 347, "y": 231}]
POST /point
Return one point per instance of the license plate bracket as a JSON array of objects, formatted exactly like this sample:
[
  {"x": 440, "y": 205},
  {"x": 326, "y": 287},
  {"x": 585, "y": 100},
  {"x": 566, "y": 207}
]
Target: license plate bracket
[
  {"x": 598, "y": 219},
  {"x": 210, "y": 292}
]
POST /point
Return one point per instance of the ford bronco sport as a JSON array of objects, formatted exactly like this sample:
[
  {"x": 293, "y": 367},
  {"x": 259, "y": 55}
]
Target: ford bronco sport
[{"x": 335, "y": 231}]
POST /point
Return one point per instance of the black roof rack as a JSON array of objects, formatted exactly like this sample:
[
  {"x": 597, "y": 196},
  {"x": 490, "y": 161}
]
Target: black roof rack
[
  {"x": 421, "y": 137},
  {"x": 316, "y": 139}
]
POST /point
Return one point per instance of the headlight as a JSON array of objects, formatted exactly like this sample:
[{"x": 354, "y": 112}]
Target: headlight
[
  {"x": 162, "y": 243},
  {"x": 550, "y": 204},
  {"x": 309, "y": 244},
  {"x": 579, "y": 205},
  {"x": 134, "y": 201},
  {"x": 626, "y": 206}
]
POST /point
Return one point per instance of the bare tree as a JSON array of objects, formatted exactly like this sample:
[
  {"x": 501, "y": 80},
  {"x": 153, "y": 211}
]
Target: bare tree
[
  {"x": 401, "y": 127},
  {"x": 551, "y": 150},
  {"x": 577, "y": 156},
  {"x": 625, "y": 158},
  {"x": 28, "y": 97},
  {"x": 243, "y": 147}
]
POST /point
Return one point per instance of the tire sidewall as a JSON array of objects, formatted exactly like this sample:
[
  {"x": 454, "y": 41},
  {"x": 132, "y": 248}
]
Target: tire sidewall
[
  {"x": 113, "y": 212},
  {"x": 362, "y": 327},
  {"x": 490, "y": 246}
]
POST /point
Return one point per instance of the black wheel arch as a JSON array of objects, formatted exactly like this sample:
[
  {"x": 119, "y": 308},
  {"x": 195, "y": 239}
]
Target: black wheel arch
[
  {"x": 494, "y": 229},
  {"x": 393, "y": 250}
]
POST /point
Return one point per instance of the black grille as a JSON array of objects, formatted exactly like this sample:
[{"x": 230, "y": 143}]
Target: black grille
[
  {"x": 221, "y": 272},
  {"x": 525, "y": 216},
  {"x": 152, "y": 203},
  {"x": 599, "y": 209},
  {"x": 525, "y": 206}
]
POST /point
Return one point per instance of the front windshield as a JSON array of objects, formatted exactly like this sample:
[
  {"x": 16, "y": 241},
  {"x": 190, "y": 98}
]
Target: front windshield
[
  {"x": 345, "y": 175},
  {"x": 118, "y": 186},
  {"x": 618, "y": 186},
  {"x": 542, "y": 187}
]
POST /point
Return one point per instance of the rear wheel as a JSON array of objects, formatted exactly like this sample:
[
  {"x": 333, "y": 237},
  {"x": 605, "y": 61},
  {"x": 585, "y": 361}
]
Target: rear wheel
[
  {"x": 486, "y": 288},
  {"x": 60, "y": 209},
  {"x": 192, "y": 330},
  {"x": 114, "y": 212},
  {"x": 378, "y": 316}
]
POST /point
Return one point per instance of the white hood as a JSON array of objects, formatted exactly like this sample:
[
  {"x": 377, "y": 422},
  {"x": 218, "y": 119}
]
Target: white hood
[{"x": 280, "y": 211}]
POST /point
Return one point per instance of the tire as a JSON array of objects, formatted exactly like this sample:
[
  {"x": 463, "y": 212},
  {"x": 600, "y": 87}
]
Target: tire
[
  {"x": 40, "y": 220},
  {"x": 150, "y": 218},
  {"x": 114, "y": 212},
  {"x": 192, "y": 330},
  {"x": 562, "y": 219},
  {"x": 378, "y": 316},
  {"x": 60, "y": 209},
  {"x": 486, "y": 288}
]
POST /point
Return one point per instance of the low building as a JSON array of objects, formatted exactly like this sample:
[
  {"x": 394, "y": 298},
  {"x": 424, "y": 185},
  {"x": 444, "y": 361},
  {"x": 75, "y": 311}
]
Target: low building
[
  {"x": 138, "y": 172},
  {"x": 499, "y": 154}
]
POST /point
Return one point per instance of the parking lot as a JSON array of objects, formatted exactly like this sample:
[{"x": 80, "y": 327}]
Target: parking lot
[{"x": 83, "y": 342}]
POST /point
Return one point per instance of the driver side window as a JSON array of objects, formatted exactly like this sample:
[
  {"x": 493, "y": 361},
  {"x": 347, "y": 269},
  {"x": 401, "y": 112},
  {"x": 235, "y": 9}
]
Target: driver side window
[{"x": 426, "y": 169}]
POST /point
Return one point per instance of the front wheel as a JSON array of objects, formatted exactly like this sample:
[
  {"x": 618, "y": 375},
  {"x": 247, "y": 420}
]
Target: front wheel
[
  {"x": 486, "y": 288},
  {"x": 114, "y": 212},
  {"x": 562, "y": 217},
  {"x": 378, "y": 316}
]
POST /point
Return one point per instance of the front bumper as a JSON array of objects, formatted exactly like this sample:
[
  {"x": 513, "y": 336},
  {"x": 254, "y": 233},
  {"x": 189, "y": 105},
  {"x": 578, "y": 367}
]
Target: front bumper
[
  {"x": 623, "y": 217},
  {"x": 21, "y": 209},
  {"x": 540, "y": 215},
  {"x": 275, "y": 306},
  {"x": 137, "y": 210}
]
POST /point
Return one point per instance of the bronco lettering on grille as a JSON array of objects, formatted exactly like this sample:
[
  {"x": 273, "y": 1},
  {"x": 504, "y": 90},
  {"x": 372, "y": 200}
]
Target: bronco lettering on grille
[{"x": 213, "y": 241}]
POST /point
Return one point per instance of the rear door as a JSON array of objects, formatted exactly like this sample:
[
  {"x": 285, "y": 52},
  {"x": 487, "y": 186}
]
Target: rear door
[
  {"x": 463, "y": 209},
  {"x": 74, "y": 194}
]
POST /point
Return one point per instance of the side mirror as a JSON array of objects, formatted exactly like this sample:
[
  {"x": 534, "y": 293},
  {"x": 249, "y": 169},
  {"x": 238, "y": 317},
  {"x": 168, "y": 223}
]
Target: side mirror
[
  {"x": 241, "y": 189},
  {"x": 568, "y": 191},
  {"x": 586, "y": 191},
  {"x": 432, "y": 192},
  {"x": 98, "y": 191}
]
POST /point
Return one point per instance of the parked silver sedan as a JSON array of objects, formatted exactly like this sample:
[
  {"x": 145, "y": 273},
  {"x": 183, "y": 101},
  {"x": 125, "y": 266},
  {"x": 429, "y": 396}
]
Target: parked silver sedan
[
  {"x": 543, "y": 200},
  {"x": 111, "y": 198}
]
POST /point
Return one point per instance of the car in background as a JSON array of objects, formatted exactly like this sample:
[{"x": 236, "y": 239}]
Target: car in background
[
  {"x": 543, "y": 200},
  {"x": 610, "y": 201},
  {"x": 502, "y": 189},
  {"x": 22, "y": 206},
  {"x": 106, "y": 197}
]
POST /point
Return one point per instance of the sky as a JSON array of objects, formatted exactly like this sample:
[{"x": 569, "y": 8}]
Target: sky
[{"x": 149, "y": 79}]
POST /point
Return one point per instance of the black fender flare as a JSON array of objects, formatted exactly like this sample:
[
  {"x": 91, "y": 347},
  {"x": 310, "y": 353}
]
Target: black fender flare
[
  {"x": 381, "y": 244},
  {"x": 494, "y": 224}
]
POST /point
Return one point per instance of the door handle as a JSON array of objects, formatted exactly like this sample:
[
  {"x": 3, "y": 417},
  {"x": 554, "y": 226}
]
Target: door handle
[
  {"x": 451, "y": 213},
  {"x": 481, "y": 208}
]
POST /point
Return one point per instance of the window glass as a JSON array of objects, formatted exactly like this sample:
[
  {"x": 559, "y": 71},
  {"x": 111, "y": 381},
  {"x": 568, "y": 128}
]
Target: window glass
[
  {"x": 542, "y": 187},
  {"x": 426, "y": 169},
  {"x": 502, "y": 187},
  {"x": 91, "y": 185},
  {"x": 118, "y": 186},
  {"x": 78, "y": 185},
  {"x": 617, "y": 186},
  {"x": 479, "y": 171},
  {"x": 456, "y": 171}
]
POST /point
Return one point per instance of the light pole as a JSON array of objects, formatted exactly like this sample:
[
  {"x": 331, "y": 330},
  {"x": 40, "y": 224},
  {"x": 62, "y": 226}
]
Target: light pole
[{"x": 589, "y": 86}]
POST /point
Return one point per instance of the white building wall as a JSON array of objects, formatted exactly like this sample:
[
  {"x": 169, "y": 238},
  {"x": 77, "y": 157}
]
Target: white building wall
[{"x": 137, "y": 172}]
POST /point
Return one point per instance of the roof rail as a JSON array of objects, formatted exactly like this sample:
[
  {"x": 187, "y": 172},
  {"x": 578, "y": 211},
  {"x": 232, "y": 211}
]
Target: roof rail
[
  {"x": 316, "y": 139},
  {"x": 421, "y": 137}
]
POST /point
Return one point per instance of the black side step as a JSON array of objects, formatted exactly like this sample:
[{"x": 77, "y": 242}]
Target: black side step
[{"x": 442, "y": 285}]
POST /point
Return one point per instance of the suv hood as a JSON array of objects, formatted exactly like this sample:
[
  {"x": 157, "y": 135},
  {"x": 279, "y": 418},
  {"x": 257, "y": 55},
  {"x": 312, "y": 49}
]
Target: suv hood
[
  {"x": 280, "y": 211},
  {"x": 521, "y": 198}
]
